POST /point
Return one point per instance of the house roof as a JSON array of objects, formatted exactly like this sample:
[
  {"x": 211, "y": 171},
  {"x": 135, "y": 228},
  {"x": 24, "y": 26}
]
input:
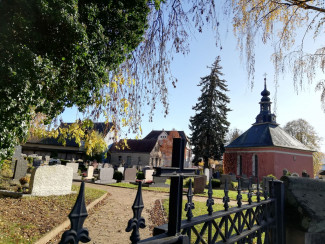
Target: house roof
[
  {"x": 267, "y": 134},
  {"x": 154, "y": 134},
  {"x": 135, "y": 146},
  {"x": 101, "y": 127}
]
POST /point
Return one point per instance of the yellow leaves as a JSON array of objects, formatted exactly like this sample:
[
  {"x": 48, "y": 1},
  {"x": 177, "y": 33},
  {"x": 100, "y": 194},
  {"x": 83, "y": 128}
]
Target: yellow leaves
[
  {"x": 114, "y": 86},
  {"x": 95, "y": 143}
]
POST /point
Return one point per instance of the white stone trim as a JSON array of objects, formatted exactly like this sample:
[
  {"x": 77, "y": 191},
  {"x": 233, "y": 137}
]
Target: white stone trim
[{"x": 274, "y": 151}]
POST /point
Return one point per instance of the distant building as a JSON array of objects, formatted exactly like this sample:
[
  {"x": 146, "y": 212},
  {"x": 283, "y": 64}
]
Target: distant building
[
  {"x": 266, "y": 148},
  {"x": 51, "y": 147},
  {"x": 154, "y": 150}
]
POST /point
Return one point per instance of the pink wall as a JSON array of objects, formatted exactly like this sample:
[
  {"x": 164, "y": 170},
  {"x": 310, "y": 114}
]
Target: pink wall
[{"x": 271, "y": 160}]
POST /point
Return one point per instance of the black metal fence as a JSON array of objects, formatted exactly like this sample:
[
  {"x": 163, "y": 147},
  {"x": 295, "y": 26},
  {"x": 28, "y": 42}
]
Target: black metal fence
[{"x": 255, "y": 222}]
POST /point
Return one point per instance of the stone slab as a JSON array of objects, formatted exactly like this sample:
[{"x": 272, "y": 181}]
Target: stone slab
[
  {"x": 199, "y": 184},
  {"x": 51, "y": 180},
  {"x": 20, "y": 169},
  {"x": 148, "y": 175},
  {"x": 130, "y": 175},
  {"x": 90, "y": 173},
  {"x": 106, "y": 176},
  {"x": 74, "y": 166}
]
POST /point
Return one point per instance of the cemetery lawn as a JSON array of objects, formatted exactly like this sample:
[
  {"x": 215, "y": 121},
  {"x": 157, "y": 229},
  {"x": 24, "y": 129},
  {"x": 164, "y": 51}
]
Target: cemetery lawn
[
  {"x": 217, "y": 193},
  {"x": 26, "y": 220}
]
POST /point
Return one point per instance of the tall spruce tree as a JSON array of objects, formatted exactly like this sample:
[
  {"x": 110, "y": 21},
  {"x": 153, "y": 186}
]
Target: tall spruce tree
[{"x": 209, "y": 125}]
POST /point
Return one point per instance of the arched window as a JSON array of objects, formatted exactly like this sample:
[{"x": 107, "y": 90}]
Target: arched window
[
  {"x": 239, "y": 165},
  {"x": 255, "y": 165}
]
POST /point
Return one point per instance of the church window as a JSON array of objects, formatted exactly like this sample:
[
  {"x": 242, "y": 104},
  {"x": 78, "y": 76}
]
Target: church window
[
  {"x": 255, "y": 166},
  {"x": 239, "y": 165}
]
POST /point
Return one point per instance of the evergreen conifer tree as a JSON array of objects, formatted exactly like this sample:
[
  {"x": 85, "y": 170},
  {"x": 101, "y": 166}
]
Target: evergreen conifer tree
[{"x": 209, "y": 125}]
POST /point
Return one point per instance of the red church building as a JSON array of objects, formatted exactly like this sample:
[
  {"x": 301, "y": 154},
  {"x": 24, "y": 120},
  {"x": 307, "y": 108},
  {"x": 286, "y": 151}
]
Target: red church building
[{"x": 266, "y": 148}]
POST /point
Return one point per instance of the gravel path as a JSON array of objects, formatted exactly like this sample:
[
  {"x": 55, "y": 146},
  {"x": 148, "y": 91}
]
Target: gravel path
[{"x": 107, "y": 224}]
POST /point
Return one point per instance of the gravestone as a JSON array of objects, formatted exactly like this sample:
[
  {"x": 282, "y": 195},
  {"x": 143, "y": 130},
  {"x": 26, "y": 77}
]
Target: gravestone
[
  {"x": 207, "y": 173},
  {"x": 75, "y": 167},
  {"x": 148, "y": 175},
  {"x": 232, "y": 177},
  {"x": 47, "y": 160},
  {"x": 295, "y": 174},
  {"x": 106, "y": 166},
  {"x": 285, "y": 171},
  {"x": 90, "y": 173},
  {"x": 223, "y": 181},
  {"x": 20, "y": 170},
  {"x": 266, "y": 184},
  {"x": 130, "y": 175},
  {"x": 244, "y": 183},
  {"x": 37, "y": 163},
  {"x": 199, "y": 184},
  {"x": 51, "y": 180},
  {"x": 106, "y": 176},
  {"x": 17, "y": 153},
  {"x": 304, "y": 209},
  {"x": 159, "y": 181}
]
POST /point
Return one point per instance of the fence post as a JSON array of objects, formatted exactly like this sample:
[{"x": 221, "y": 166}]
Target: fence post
[
  {"x": 278, "y": 188},
  {"x": 176, "y": 189}
]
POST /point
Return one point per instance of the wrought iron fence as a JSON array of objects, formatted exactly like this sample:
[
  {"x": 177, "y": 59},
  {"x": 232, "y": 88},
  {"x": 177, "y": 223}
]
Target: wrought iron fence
[{"x": 261, "y": 221}]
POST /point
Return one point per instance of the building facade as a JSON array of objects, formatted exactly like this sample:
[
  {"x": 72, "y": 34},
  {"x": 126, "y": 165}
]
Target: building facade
[{"x": 266, "y": 148}]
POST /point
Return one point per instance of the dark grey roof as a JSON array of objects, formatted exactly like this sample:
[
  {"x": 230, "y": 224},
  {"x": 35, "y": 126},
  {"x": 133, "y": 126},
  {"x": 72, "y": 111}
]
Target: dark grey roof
[
  {"x": 155, "y": 133},
  {"x": 143, "y": 146},
  {"x": 264, "y": 135}
]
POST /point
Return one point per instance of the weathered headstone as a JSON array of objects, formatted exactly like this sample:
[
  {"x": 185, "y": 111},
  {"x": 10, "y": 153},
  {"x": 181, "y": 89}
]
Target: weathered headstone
[
  {"x": 47, "y": 160},
  {"x": 207, "y": 173},
  {"x": 199, "y": 184},
  {"x": 106, "y": 176},
  {"x": 223, "y": 181},
  {"x": 20, "y": 169},
  {"x": 266, "y": 184},
  {"x": 130, "y": 175},
  {"x": 17, "y": 153},
  {"x": 305, "y": 212},
  {"x": 159, "y": 181},
  {"x": 90, "y": 173},
  {"x": 148, "y": 175},
  {"x": 106, "y": 166},
  {"x": 244, "y": 183},
  {"x": 37, "y": 163},
  {"x": 285, "y": 171},
  {"x": 75, "y": 167},
  {"x": 51, "y": 180},
  {"x": 295, "y": 174}
]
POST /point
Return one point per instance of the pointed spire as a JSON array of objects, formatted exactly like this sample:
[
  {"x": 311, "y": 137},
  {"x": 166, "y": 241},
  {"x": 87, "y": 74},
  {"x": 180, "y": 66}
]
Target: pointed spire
[{"x": 265, "y": 115}]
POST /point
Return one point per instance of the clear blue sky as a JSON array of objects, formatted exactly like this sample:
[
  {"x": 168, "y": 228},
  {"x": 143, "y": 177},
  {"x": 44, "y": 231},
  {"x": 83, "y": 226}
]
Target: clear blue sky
[{"x": 244, "y": 100}]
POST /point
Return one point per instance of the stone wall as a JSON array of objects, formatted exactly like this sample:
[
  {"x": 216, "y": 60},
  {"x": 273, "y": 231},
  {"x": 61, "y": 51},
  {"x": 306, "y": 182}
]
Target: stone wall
[
  {"x": 304, "y": 211},
  {"x": 144, "y": 158}
]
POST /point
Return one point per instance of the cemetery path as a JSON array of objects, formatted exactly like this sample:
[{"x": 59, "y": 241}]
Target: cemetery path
[{"x": 107, "y": 224}]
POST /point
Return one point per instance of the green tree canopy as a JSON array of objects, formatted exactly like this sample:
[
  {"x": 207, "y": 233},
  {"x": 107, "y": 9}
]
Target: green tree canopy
[
  {"x": 56, "y": 54},
  {"x": 306, "y": 134},
  {"x": 209, "y": 125}
]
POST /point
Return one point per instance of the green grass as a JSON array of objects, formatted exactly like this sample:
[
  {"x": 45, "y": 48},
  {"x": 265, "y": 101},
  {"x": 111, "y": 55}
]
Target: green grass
[
  {"x": 217, "y": 193},
  {"x": 201, "y": 209},
  {"x": 27, "y": 219}
]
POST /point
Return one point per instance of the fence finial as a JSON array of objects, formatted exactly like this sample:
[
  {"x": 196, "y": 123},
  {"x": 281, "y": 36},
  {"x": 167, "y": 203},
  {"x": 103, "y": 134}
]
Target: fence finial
[
  {"x": 258, "y": 193},
  {"x": 77, "y": 217},
  {"x": 210, "y": 201},
  {"x": 225, "y": 199},
  {"x": 239, "y": 196},
  {"x": 249, "y": 194},
  {"x": 137, "y": 221},
  {"x": 189, "y": 205}
]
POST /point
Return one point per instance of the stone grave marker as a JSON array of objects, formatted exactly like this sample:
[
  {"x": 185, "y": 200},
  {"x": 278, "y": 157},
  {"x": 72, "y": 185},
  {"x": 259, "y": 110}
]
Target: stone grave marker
[
  {"x": 37, "y": 163},
  {"x": 148, "y": 175},
  {"x": 223, "y": 181},
  {"x": 20, "y": 170},
  {"x": 51, "y": 180},
  {"x": 159, "y": 181},
  {"x": 90, "y": 173},
  {"x": 75, "y": 167},
  {"x": 244, "y": 183},
  {"x": 17, "y": 153},
  {"x": 207, "y": 173},
  {"x": 199, "y": 184},
  {"x": 106, "y": 166},
  {"x": 106, "y": 176},
  {"x": 266, "y": 184},
  {"x": 130, "y": 175},
  {"x": 47, "y": 160}
]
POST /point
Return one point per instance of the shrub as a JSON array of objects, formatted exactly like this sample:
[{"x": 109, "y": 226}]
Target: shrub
[
  {"x": 6, "y": 170},
  {"x": 187, "y": 182},
  {"x": 24, "y": 180},
  {"x": 272, "y": 176},
  {"x": 215, "y": 183},
  {"x": 118, "y": 176},
  {"x": 140, "y": 175}
]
